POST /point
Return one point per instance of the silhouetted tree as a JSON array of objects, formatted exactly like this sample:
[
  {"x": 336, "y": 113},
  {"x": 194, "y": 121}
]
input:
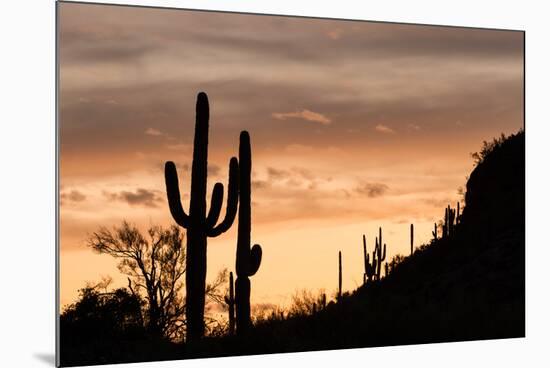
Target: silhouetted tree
[
  {"x": 154, "y": 267},
  {"x": 199, "y": 225}
]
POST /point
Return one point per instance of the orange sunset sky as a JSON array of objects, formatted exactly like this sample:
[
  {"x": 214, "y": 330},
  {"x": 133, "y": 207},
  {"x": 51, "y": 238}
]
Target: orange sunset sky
[{"x": 354, "y": 125}]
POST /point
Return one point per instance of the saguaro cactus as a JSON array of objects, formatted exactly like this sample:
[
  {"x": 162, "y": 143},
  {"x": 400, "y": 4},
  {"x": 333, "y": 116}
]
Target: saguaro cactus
[
  {"x": 199, "y": 225},
  {"x": 457, "y": 212},
  {"x": 248, "y": 259},
  {"x": 412, "y": 238},
  {"x": 445, "y": 227},
  {"x": 380, "y": 255},
  {"x": 339, "y": 275},
  {"x": 370, "y": 269},
  {"x": 434, "y": 233},
  {"x": 230, "y": 301}
]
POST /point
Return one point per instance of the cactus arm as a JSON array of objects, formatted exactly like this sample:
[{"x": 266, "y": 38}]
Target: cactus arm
[
  {"x": 215, "y": 206},
  {"x": 383, "y": 258},
  {"x": 255, "y": 259},
  {"x": 232, "y": 201},
  {"x": 173, "y": 194}
]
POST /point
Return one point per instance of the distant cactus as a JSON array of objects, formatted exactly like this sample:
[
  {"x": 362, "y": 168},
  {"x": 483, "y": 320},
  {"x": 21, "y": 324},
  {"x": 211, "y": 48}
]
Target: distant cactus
[
  {"x": 434, "y": 233},
  {"x": 248, "y": 259},
  {"x": 457, "y": 212},
  {"x": 451, "y": 219},
  {"x": 386, "y": 270},
  {"x": 323, "y": 300},
  {"x": 230, "y": 301},
  {"x": 445, "y": 227},
  {"x": 199, "y": 225},
  {"x": 380, "y": 255},
  {"x": 370, "y": 268},
  {"x": 412, "y": 238},
  {"x": 339, "y": 297}
]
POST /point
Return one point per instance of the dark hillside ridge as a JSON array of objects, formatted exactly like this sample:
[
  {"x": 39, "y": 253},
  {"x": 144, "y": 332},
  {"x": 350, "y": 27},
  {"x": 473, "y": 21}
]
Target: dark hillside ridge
[{"x": 469, "y": 286}]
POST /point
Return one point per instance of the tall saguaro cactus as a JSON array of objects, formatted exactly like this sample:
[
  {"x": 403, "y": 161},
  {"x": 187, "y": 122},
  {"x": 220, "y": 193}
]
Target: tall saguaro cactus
[
  {"x": 199, "y": 225},
  {"x": 230, "y": 301},
  {"x": 248, "y": 259}
]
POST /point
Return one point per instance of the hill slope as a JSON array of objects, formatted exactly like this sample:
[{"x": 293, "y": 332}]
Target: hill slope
[{"x": 469, "y": 286}]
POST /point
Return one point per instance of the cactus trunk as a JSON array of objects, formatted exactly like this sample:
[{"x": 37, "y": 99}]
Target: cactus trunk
[
  {"x": 412, "y": 238},
  {"x": 339, "y": 275},
  {"x": 248, "y": 259},
  {"x": 199, "y": 225}
]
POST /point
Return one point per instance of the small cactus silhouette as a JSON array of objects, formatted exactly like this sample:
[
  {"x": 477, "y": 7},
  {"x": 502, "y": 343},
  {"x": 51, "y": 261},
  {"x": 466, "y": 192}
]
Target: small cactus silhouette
[
  {"x": 248, "y": 259},
  {"x": 339, "y": 297},
  {"x": 370, "y": 268},
  {"x": 230, "y": 301},
  {"x": 434, "y": 233},
  {"x": 199, "y": 225},
  {"x": 386, "y": 270},
  {"x": 451, "y": 219},
  {"x": 412, "y": 238},
  {"x": 380, "y": 255}
]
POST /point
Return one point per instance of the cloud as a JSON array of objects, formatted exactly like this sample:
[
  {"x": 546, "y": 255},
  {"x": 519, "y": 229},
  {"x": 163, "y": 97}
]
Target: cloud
[
  {"x": 72, "y": 196},
  {"x": 213, "y": 170},
  {"x": 372, "y": 190},
  {"x": 384, "y": 129},
  {"x": 260, "y": 184},
  {"x": 298, "y": 148},
  {"x": 304, "y": 114},
  {"x": 154, "y": 132},
  {"x": 414, "y": 127},
  {"x": 179, "y": 147},
  {"x": 276, "y": 174},
  {"x": 141, "y": 197}
]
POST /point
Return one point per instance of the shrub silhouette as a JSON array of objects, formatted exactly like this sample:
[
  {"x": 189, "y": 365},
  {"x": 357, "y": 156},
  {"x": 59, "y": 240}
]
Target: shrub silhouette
[
  {"x": 248, "y": 259},
  {"x": 199, "y": 225},
  {"x": 96, "y": 315}
]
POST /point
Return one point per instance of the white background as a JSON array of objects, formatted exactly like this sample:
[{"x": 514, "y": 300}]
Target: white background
[{"x": 27, "y": 155}]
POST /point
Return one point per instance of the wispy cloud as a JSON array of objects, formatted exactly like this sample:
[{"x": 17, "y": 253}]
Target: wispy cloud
[
  {"x": 141, "y": 197},
  {"x": 154, "y": 132},
  {"x": 384, "y": 129},
  {"x": 372, "y": 190},
  {"x": 304, "y": 114},
  {"x": 72, "y": 196},
  {"x": 414, "y": 127}
]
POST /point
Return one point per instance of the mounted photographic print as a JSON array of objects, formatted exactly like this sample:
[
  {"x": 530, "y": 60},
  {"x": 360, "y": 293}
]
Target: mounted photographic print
[{"x": 235, "y": 184}]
